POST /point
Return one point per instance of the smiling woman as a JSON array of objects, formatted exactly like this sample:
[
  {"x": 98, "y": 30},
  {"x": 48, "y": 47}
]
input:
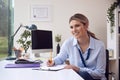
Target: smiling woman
[{"x": 86, "y": 53}]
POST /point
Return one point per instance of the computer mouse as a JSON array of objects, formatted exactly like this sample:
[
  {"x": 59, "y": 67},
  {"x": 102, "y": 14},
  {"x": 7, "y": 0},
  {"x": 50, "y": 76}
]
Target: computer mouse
[{"x": 39, "y": 61}]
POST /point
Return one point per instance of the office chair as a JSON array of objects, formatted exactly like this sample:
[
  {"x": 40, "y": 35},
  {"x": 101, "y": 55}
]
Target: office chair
[{"x": 107, "y": 65}]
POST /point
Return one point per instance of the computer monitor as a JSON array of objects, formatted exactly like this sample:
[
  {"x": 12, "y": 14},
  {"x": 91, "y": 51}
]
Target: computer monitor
[{"x": 41, "y": 41}]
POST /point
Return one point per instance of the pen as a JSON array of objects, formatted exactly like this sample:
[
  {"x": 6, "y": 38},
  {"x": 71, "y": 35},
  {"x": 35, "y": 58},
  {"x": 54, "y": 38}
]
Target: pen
[
  {"x": 35, "y": 69},
  {"x": 50, "y": 60},
  {"x": 41, "y": 69},
  {"x": 45, "y": 69}
]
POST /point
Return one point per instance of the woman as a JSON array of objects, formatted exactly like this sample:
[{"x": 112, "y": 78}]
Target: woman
[{"x": 84, "y": 51}]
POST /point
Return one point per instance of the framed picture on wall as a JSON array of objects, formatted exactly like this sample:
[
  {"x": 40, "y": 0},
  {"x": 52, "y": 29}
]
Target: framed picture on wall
[{"x": 40, "y": 13}]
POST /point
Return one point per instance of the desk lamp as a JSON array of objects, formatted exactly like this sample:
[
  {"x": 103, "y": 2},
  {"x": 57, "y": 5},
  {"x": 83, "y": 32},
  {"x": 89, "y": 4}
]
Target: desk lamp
[{"x": 32, "y": 27}]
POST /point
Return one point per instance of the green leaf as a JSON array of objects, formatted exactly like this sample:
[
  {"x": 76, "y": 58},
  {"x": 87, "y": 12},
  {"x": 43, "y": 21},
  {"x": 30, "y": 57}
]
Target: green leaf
[{"x": 24, "y": 40}]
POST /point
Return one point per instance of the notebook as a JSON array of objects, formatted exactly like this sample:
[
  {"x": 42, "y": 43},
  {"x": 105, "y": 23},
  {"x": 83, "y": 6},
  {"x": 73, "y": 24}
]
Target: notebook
[{"x": 53, "y": 68}]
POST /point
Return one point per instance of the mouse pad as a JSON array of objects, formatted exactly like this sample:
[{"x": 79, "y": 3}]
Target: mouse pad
[{"x": 22, "y": 65}]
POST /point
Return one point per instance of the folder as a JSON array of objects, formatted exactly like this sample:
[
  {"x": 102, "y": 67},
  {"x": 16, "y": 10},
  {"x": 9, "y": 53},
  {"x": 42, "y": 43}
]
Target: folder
[{"x": 22, "y": 65}]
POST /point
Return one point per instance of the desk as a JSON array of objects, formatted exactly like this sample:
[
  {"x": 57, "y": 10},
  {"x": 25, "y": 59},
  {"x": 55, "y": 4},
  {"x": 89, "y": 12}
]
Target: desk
[{"x": 29, "y": 74}]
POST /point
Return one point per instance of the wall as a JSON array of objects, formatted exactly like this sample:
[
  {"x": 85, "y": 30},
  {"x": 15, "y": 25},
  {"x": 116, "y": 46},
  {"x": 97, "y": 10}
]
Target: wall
[{"x": 61, "y": 11}]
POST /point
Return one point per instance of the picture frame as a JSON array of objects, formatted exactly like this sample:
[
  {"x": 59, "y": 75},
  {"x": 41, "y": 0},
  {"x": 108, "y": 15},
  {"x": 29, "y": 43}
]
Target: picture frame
[{"x": 40, "y": 13}]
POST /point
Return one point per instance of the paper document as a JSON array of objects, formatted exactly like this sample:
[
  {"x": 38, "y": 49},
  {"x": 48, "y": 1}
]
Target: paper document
[{"x": 53, "y": 68}]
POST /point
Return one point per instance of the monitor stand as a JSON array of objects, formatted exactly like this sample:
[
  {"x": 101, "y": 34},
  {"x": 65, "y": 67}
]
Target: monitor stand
[{"x": 37, "y": 56}]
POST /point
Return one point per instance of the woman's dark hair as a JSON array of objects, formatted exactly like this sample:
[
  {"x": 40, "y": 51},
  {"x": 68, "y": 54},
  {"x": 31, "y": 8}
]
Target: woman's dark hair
[{"x": 83, "y": 19}]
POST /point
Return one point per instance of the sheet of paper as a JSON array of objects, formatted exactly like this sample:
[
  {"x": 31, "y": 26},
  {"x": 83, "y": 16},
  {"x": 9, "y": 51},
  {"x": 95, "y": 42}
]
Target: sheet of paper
[{"x": 53, "y": 68}]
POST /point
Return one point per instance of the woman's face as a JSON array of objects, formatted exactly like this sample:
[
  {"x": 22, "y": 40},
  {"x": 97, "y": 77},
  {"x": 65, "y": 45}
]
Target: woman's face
[{"x": 78, "y": 29}]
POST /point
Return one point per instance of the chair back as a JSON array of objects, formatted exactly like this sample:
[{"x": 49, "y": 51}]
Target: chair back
[{"x": 107, "y": 65}]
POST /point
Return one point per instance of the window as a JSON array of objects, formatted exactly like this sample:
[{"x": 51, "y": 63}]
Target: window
[{"x": 6, "y": 26}]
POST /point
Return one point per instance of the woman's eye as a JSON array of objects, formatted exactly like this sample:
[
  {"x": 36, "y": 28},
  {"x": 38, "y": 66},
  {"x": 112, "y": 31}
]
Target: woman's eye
[{"x": 71, "y": 27}]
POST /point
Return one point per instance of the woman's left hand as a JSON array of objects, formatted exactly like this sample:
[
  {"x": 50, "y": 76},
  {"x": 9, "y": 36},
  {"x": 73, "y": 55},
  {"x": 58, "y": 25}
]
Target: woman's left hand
[{"x": 72, "y": 67}]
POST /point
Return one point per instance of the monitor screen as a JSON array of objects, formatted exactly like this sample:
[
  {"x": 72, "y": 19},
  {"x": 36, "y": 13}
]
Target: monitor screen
[{"x": 41, "y": 41}]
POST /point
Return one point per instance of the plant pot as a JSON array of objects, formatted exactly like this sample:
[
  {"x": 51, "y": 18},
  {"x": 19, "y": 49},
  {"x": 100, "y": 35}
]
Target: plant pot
[{"x": 18, "y": 53}]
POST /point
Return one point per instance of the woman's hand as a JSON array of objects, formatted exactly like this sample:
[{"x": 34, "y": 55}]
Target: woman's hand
[
  {"x": 50, "y": 63},
  {"x": 72, "y": 67}
]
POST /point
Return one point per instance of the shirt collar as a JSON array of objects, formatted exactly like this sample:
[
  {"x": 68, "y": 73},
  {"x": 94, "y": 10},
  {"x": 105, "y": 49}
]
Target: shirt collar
[{"x": 92, "y": 42}]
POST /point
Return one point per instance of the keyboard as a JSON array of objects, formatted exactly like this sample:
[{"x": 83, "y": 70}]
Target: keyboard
[{"x": 24, "y": 61}]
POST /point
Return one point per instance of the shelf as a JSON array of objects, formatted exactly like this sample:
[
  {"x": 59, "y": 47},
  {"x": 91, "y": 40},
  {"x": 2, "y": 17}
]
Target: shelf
[
  {"x": 112, "y": 59},
  {"x": 113, "y": 45}
]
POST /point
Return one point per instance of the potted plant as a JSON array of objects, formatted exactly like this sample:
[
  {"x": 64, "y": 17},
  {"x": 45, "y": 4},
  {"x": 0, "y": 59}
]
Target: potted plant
[
  {"x": 24, "y": 40},
  {"x": 58, "y": 39},
  {"x": 111, "y": 15}
]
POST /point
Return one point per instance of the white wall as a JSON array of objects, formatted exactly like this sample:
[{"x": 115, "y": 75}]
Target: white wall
[{"x": 62, "y": 10}]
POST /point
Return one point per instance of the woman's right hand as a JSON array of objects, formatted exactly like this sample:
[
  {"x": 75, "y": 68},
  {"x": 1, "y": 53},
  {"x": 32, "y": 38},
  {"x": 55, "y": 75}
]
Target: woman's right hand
[{"x": 50, "y": 63}]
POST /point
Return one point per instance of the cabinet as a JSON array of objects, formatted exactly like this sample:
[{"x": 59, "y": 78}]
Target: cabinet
[{"x": 113, "y": 45}]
